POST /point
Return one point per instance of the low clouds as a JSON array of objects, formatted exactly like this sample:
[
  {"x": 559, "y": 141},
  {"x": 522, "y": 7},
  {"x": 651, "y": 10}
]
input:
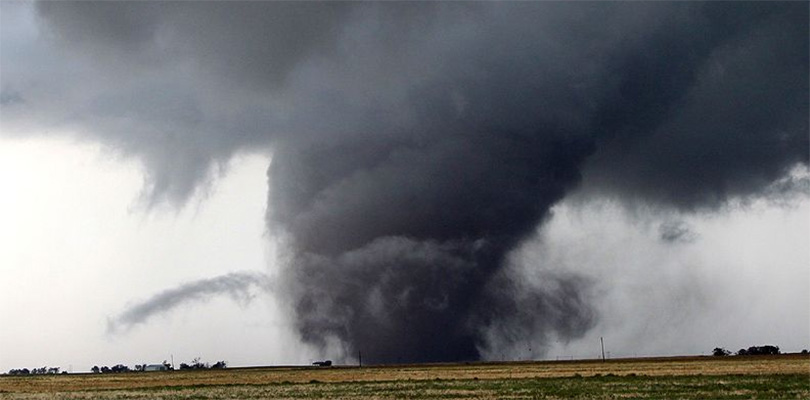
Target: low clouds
[
  {"x": 415, "y": 145},
  {"x": 676, "y": 231},
  {"x": 9, "y": 98}
]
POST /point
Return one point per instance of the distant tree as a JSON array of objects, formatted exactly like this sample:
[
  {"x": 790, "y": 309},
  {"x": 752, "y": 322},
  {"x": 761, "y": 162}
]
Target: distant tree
[
  {"x": 197, "y": 364},
  {"x": 805, "y": 351},
  {"x": 167, "y": 365},
  {"x": 53, "y": 370},
  {"x": 95, "y": 369},
  {"x": 765, "y": 350},
  {"x": 120, "y": 368},
  {"x": 105, "y": 370},
  {"x": 21, "y": 371},
  {"x": 719, "y": 352},
  {"x": 140, "y": 367}
]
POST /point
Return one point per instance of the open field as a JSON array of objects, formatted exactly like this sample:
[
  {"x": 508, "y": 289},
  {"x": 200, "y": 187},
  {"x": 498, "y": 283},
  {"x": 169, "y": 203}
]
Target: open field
[{"x": 764, "y": 377}]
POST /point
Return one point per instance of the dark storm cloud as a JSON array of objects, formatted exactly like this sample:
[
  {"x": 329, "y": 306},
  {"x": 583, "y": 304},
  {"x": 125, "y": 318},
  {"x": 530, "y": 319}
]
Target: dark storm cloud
[
  {"x": 248, "y": 42},
  {"x": 237, "y": 285},
  {"x": 739, "y": 123},
  {"x": 415, "y": 145},
  {"x": 787, "y": 189}
]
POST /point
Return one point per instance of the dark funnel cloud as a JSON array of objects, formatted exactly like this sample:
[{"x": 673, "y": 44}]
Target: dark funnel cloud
[{"x": 416, "y": 145}]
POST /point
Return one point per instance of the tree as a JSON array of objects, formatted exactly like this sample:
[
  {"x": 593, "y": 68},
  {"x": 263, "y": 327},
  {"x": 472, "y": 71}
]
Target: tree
[
  {"x": 763, "y": 350},
  {"x": 95, "y": 369},
  {"x": 719, "y": 352},
  {"x": 759, "y": 351},
  {"x": 120, "y": 368},
  {"x": 197, "y": 364},
  {"x": 219, "y": 365},
  {"x": 23, "y": 371}
]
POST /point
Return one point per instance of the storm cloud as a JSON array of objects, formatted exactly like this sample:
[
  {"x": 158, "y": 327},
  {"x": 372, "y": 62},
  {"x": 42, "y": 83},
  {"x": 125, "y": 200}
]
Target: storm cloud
[{"x": 415, "y": 145}]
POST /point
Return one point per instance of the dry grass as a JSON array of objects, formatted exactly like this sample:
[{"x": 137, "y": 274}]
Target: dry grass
[{"x": 475, "y": 380}]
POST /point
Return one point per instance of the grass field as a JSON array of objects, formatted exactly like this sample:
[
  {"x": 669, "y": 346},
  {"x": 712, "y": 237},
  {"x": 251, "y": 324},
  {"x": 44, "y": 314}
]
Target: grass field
[{"x": 760, "y": 377}]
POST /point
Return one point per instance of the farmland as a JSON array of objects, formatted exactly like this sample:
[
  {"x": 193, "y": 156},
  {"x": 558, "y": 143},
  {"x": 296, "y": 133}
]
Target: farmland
[{"x": 771, "y": 377}]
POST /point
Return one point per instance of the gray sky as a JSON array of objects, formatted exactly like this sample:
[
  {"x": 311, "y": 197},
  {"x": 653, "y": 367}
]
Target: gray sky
[{"x": 448, "y": 181}]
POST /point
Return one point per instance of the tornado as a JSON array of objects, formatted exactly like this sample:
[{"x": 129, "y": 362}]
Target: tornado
[{"x": 415, "y": 146}]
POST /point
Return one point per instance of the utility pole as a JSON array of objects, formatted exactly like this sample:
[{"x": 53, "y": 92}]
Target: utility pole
[
  {"x": 601, "y": 339},
  {"x": 360, "y": 358}
]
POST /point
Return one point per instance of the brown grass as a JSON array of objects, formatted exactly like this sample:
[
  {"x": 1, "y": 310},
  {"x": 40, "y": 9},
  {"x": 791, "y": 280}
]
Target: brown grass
[{"x": 674, "y": 366}]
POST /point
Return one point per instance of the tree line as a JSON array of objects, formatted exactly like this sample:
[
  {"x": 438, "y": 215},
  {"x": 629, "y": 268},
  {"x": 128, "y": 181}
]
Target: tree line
[
  {"x": 195, "y": 364},
  {"x": 765, "y": 350},
  {"x": 118, "y": 368},
  {"x": 36, "y": 371}
]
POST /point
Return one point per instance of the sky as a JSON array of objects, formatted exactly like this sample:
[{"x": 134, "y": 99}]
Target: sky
[
  {"x": 83, "y": 251},
  {"x": 277, "y": 183}
]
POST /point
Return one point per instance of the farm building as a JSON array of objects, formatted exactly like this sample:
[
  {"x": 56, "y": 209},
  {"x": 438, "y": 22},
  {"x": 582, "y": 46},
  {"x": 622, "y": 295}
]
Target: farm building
[{"x": 155, "y": 367}]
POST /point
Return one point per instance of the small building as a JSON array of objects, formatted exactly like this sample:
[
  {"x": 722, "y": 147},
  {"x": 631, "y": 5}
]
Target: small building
[{"x": 155, "y": 367}]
